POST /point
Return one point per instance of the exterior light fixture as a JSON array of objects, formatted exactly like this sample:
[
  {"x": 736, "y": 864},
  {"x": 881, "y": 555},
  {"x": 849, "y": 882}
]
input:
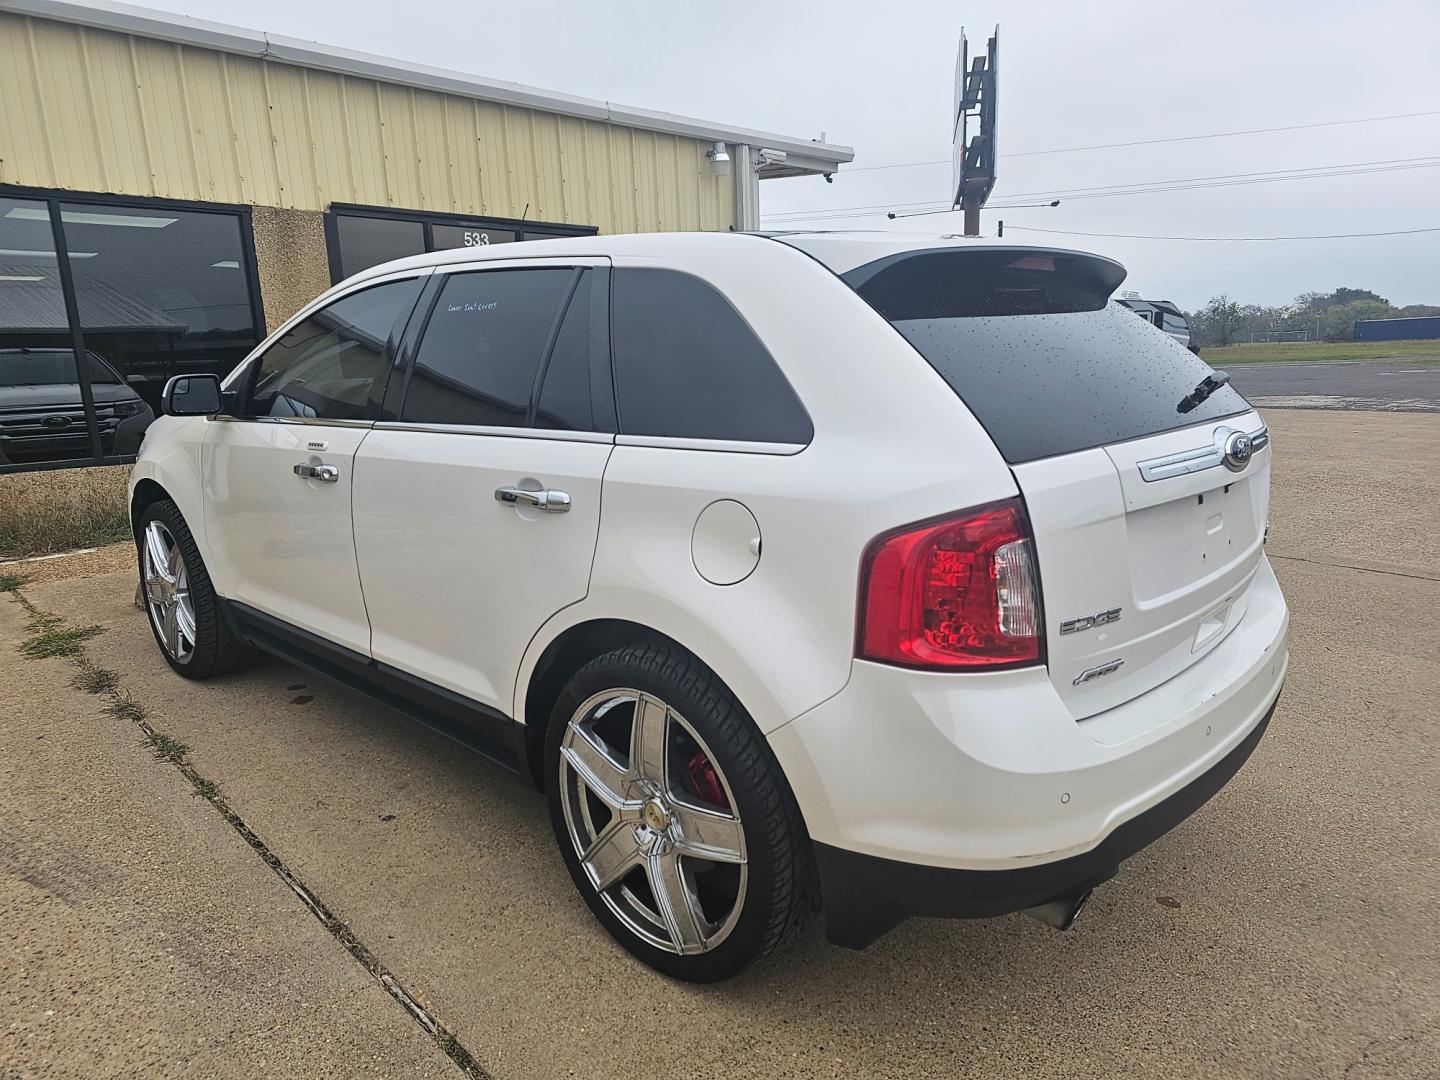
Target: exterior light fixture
[{"x": 719, "y": 159}]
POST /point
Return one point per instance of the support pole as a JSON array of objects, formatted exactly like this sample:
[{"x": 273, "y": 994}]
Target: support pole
[{"x": 970, "y": 203}]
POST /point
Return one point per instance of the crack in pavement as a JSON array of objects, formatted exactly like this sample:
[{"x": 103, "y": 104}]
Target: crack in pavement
[
  {"x": 122, "y": 706},
  {"x": 1352, "y": 566}
]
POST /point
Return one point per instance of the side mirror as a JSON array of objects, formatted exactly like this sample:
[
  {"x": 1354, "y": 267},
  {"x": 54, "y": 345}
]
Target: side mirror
[{"x": 192, "y": 395}]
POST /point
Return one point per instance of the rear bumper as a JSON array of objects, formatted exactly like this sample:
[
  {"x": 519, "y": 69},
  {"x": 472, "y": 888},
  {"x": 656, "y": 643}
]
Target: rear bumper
[
  {"x": 930, "y": 793},
  {"x": 866, "y": 896}
]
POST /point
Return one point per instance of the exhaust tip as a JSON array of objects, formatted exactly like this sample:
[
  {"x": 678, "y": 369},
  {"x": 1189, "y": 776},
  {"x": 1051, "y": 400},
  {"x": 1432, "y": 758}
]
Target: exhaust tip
[{"x": 1061, "y": 912}]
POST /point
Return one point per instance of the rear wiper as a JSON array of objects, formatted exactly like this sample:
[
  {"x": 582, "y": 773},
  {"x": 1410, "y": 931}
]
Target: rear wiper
[{"x": 1203, "y": 390}]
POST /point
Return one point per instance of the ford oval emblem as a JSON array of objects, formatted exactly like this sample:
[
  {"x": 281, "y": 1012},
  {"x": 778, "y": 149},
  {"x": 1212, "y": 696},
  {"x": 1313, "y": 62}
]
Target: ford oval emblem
[
  {"x": 55, "y": 422},
  {"x": 1238, "y": 451}
]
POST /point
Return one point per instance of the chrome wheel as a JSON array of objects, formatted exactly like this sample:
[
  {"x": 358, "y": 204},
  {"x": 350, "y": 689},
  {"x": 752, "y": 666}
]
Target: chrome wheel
[
  {"x": 653, "y": 821},
  {"x": 167, "y": 593}
]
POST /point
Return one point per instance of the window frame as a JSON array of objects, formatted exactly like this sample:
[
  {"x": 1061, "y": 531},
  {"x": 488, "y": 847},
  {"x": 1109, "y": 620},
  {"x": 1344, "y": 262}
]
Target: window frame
[
  {"x": 249, "y": 368},
  {"x": 51, "y": 198},
  {"x": 602, "y": 384},
  {"x": 523, "y": 229}
]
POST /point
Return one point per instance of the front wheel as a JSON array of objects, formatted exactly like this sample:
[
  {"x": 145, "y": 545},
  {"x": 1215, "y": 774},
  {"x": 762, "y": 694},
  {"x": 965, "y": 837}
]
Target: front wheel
[
  {"x": 184, "y": 611},
  {"x": 672, "y": 814}
]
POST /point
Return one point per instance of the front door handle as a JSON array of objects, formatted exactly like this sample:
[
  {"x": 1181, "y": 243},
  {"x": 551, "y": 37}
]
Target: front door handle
[
  {"x": 552, "y": 502},
  {"x": 326, "y": 474}
]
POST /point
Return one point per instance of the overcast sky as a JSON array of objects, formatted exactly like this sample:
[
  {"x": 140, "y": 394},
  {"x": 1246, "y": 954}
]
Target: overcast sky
[{"x": 878, "y": 76}]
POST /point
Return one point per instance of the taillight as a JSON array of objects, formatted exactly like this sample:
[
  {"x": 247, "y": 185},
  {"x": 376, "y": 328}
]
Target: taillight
[{"x": 958, "y": 592}]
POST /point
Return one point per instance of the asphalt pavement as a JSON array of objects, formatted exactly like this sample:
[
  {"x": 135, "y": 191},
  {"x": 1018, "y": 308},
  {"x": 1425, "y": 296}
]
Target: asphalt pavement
[
  {"x": 1291, "y": 928},
  {"x": 1380, "y": 385}
]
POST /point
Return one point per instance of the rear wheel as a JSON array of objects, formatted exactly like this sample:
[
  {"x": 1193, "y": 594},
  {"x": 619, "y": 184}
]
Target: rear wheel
[
  {"x": 672, "y": 814},
  {"x": 184, "y": 611}
]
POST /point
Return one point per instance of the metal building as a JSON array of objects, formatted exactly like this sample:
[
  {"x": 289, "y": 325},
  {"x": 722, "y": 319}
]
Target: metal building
[
  {"x": 171, "y": 188},
  {"x": 1422, "y": 327}
]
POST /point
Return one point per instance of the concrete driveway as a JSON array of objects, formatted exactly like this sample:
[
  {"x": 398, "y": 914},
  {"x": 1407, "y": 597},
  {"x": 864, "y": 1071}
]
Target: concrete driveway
[{"x": 1291, "y": 928}]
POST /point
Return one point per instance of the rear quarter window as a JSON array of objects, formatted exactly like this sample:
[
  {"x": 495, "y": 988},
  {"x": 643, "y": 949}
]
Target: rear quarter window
[
  {"x": 688, "y": 366},
  {"x": 1032, "y": 344}
]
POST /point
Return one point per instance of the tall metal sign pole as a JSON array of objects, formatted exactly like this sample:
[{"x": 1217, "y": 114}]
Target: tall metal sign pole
[{"x": 973, "y": 162}]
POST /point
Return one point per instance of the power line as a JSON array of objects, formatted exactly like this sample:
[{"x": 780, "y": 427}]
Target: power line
[
  {"x": 1148, "y": 187},
  {"x": 1152, "y": 142},
  {"x": 1284, "y": 174},
  {"x": 1225, "y": 239},
  {"x": 1106, "y": 190}
]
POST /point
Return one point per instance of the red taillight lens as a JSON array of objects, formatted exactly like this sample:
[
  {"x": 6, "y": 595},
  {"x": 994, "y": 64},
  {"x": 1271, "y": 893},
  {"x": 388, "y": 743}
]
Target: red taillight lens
[{"x": 957, "y": 593}]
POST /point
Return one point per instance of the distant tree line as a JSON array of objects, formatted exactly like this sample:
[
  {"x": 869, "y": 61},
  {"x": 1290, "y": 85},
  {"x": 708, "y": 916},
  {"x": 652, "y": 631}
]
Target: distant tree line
[{"x": 1329, "y": 316}]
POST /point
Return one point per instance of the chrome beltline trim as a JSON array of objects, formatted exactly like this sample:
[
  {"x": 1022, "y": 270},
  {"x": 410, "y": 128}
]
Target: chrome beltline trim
[
  {"x": 731, "y": 446},
  {"x": 303, "y": 421},
  {"x": 496, "y": 432}
]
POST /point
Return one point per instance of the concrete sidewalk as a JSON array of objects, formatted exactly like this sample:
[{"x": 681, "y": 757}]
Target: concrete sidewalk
[{"x": 1291, "y": 928}]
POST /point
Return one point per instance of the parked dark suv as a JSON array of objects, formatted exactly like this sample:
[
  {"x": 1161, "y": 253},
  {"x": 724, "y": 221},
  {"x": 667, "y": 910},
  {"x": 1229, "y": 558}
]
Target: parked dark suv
[{"x": 42, "y": 416}]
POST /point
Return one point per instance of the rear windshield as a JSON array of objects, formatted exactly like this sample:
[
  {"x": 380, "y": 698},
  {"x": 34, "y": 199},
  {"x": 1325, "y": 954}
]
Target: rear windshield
[{"x": 1035, "y": 348}]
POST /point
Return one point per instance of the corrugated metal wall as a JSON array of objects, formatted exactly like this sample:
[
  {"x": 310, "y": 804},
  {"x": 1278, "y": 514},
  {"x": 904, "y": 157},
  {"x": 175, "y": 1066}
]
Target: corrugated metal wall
[
  {"x": 1424, "y": 327},
  {"x": 91, "y": 110}
]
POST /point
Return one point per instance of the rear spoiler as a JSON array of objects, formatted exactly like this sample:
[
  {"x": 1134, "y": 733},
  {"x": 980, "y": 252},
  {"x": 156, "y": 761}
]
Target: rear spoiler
[{"x": 953, "y": 283}]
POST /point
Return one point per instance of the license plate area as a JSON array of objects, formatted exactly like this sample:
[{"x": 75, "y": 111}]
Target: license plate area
[{"x": 1212, "y": 625}]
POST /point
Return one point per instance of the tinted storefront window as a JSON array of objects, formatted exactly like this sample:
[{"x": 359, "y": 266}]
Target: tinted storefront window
[
  {"x": 42, "y": 415},
  {"x": 463, "y": 236},
  {"x": 361, "y": 237},
  {"x": 160, "y": 292},
  {"x": 157, "y": 291},
  {"x": 365, "y": 241}
]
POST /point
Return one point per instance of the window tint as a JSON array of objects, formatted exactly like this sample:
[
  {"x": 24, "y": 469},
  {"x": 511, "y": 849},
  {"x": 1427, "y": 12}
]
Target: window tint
[
  {"x": 1044, "y": 369},
  {"x": 333, "y": 364},
  {"x": 687, "y": 365},
  {"x": 566, "y": 396},
  {"x": 483, "y": 346},
  {"x": 366, "y": 241}
]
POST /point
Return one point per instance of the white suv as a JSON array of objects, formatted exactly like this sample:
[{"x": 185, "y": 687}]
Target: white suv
[{"x": 887, "y": 574}]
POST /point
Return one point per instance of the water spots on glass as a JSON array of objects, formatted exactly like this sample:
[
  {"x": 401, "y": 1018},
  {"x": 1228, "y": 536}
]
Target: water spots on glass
[{"x": 1052, "y": 384}]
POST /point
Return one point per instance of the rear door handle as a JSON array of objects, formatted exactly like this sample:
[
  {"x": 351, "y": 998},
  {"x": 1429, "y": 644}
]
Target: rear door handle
[
  {"x": 326, "y": 474},
  {"x": 552, "y": 502}
]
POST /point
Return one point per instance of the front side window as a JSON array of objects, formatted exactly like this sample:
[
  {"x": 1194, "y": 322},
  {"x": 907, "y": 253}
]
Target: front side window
[
  {"x": 688, "y": 366},
  {"x": 1176, "y": 324},
  {"x": 332, "y": 365},
  {"x": 488, "y": 334}
]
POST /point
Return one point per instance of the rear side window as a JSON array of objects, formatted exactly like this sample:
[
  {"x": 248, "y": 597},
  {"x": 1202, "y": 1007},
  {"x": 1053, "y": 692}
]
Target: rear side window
[
  {"x": 1033, "y": 346},
  {"x": 567, "y": 392},
  {"x": 688, "y": 366},
  {"x": 333, "y": 364},
  {"x": 482, "y": 349}
]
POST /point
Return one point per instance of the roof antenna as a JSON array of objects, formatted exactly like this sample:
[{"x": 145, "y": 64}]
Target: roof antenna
[{"x": 523, "y": 213}]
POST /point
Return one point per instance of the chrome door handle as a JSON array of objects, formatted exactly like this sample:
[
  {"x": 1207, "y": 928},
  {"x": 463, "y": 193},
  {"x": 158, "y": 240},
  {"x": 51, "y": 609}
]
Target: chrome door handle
[
  {"x": 326, "y": 474},
  {"x": 552, "y": 502}
]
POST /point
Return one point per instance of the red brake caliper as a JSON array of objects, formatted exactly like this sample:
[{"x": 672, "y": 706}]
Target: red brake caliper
[{"x": 706, "y": 781}]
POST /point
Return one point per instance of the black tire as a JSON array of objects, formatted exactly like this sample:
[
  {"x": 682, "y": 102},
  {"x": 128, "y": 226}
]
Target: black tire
[
  {"x": 217, "y": 649},
  {"x": 782, "y": 892}
]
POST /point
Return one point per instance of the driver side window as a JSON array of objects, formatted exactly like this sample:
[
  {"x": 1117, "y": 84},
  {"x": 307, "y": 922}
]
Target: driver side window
[{"x": 333, "y": 364}]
